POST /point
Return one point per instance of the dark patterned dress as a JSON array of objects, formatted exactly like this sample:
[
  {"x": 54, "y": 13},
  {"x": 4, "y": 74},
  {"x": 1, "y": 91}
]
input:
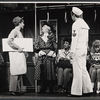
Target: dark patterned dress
[{"x": 45, "y": 67}]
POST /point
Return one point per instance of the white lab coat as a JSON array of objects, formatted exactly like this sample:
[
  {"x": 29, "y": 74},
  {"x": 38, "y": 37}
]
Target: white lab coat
[
  {"x": 81, "y": 79},
  {"x": 17, "y": 60}
]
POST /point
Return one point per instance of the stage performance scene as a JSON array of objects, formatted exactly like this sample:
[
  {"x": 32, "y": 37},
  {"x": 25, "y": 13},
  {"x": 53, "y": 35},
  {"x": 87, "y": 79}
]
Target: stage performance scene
[{"x": 50, "y": 50}]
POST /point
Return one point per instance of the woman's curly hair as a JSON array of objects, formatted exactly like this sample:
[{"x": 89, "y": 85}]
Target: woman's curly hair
[{"x": 95, "y": 44}]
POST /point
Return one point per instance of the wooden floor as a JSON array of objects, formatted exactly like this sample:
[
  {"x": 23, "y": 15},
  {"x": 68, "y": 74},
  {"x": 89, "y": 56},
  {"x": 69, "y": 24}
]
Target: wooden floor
[{"x": 47, "y": 96}]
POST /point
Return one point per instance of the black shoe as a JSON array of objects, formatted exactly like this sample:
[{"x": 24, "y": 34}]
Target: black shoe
[
  {"x": 14, "y": 93},
  {"x": 87, "y": 94},
  {"x": 76, "y": 95},
  {"x": 68, "y": 94},
  {"x": 61, "y": 91},
  {"x": 21, "y": 93},
  {"x": 41, "y": 91},
  {"x": 50, "y": 91}
]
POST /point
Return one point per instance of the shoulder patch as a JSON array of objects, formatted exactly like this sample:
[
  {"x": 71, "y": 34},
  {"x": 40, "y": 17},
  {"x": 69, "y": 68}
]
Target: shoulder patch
[{"x": 74, "y": 34}]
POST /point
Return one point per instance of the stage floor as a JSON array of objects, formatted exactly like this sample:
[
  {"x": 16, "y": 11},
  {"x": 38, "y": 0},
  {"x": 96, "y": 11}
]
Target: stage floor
[{"x": 47, "y": 96}]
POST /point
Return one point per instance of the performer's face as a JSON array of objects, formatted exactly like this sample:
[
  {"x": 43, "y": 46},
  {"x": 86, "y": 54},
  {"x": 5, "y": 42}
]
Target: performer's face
[
  {"x": 66, "y": 44},
  {"x": 22, "y": 25},
  {"x": 97, "y": 48},
  {"x": 73, "y": 16}
]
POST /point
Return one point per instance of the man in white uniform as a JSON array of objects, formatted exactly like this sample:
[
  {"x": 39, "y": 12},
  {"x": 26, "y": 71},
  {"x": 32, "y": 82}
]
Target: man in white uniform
[{"x": 81, "y": 79}]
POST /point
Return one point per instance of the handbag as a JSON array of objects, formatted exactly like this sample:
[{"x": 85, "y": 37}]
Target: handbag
[
  {"x": 96, "y": 66},
  {"x": 64, "y": 64}
]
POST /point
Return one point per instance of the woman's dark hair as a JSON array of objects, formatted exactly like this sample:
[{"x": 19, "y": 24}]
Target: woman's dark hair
[{"x": 68, "y": 39}]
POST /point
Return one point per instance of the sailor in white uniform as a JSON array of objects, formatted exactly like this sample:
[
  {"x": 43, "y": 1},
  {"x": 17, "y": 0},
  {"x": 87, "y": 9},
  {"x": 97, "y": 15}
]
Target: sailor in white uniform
[{"x": 81, "y": 79}]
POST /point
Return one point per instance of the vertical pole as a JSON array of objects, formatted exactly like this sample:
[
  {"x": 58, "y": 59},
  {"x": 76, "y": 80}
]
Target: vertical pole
[
  {"x": 35, "y": 40},
  {"x": 35, "y": 23}
]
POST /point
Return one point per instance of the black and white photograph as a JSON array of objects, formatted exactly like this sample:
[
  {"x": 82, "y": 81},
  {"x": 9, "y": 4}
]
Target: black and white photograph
[{"x": 49, "y": 50}]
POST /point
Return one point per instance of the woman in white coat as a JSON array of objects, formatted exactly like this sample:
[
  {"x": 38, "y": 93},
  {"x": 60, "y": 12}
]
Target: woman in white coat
[{"x": 17, "y": 58}]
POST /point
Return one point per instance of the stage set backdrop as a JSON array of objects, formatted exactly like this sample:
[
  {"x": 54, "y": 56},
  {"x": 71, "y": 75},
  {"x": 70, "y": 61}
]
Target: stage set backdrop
[{"x": 34, "y": 15}]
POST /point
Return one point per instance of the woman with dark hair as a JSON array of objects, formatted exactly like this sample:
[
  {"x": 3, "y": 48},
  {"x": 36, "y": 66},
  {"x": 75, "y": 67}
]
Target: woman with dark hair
[
  {"x": 45, "y": 47},
  {"x": 64, "y": 71},
  {"x": 17, "y": 58}
]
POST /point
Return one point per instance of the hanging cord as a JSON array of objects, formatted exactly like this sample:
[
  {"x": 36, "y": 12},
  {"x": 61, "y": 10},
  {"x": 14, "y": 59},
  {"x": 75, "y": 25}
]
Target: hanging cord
[
  {"x": 65, "y": 15},
  {"x": 47, "y": 14},
  {"x": 95, "y": 15}
]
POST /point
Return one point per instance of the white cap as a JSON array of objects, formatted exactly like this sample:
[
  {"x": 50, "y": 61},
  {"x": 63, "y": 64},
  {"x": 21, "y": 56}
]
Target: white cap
[{"x": 77, "y": 11}]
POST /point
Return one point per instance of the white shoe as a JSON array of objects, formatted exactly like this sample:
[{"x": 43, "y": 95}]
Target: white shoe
[
  {"x": 98, "y": 87},
  {"x": 98, "y": 91}
]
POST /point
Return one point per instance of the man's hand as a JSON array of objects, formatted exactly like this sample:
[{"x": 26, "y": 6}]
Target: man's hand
[
  {"x": 72, "y": 55},
  {"x": 62, "y": 58},
  {"x": 26, "y": 54},
  {"x": 66, "y": 59},
  {"x": 20, "y": 50}
]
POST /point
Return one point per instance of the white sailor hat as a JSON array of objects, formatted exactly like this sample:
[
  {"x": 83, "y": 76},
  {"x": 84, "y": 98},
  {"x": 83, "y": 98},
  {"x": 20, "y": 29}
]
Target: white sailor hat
[{"x": 77, "y": 11}]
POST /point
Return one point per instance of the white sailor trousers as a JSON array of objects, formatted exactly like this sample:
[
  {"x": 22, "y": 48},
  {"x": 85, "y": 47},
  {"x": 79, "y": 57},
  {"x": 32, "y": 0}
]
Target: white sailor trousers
[{"x": 81, "y": 79}]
